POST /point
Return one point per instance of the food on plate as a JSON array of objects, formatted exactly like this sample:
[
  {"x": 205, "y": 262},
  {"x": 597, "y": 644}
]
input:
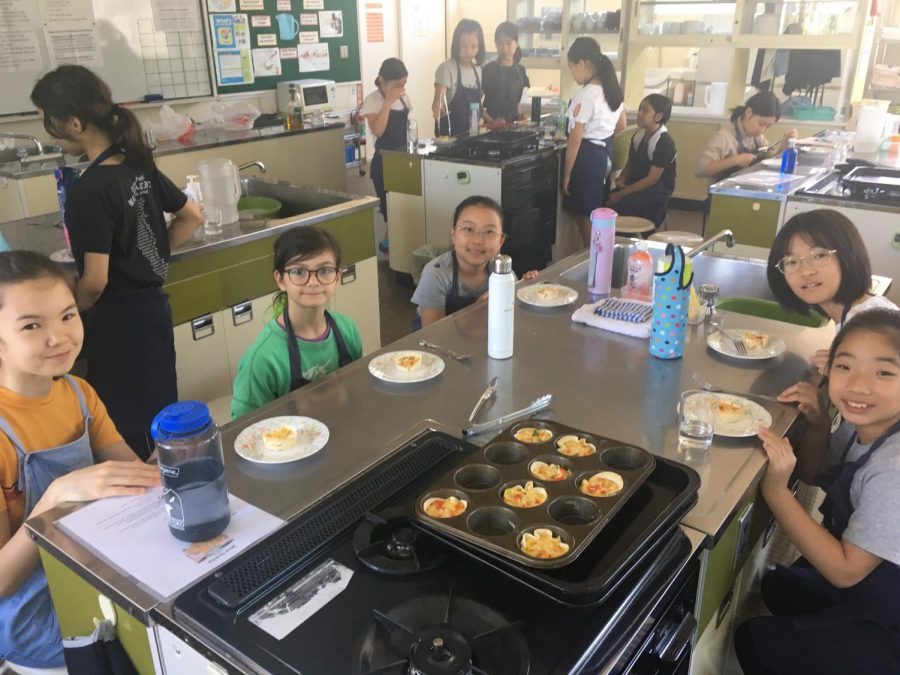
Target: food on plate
[
  {"x": 547, "y": 292},
  {"x": 408, "y": 362},
  {"x": 546, "y": 471},
  {"x": 525, "y": 496},
  {"x": 573, "y": 446},
  {"x": 533, "y": 435},
  {"x": 543, "y": 544},
  {"x": 603, "y": 484},
  {"x": 441, "y": 507},
  {"x": 727, "y": 410},
  {"x": 283, "y": 437},
  {"x": 754, "y": 340}
]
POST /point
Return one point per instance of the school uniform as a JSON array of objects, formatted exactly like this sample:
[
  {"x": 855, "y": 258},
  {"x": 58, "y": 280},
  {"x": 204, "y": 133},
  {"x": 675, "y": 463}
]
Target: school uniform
[
  {"x": 503, "y": 87},
  {"x": 118, "y": 210},
  {"x": 393, "y": 138},
  {"x": 728, "y": 141},
  {"x": 463, "y": 89},
  {"x": 817, "y": 628},
  {"x": 588, "y": 177},
  {"x": 644, "y": 152}
]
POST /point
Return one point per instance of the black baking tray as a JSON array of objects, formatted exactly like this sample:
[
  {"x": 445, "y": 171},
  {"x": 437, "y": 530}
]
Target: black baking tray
[
  {"x": 577, "y": 518},
  {"x": 873, "y": 177},
  {"x": 636, "y": 532}
]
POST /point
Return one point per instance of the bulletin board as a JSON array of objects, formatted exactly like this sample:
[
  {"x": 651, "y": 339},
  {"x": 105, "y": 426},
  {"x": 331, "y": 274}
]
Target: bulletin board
[
  {"x": 258, "y": 43},
  {"x": 138, "y": 47}
]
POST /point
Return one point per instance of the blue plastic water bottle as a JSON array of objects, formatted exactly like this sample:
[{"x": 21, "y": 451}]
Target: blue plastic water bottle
[{"x": 789, "y": 157}]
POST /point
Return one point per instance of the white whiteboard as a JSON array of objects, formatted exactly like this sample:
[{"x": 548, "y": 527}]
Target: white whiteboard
[{"x": 135, "y": 58}]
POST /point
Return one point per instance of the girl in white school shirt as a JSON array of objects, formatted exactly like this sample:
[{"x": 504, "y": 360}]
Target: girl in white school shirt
[{"x": 595, "y": 114}]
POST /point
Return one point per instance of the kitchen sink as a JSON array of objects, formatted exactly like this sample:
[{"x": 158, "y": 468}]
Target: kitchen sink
[{"x": 295, "y": 200}]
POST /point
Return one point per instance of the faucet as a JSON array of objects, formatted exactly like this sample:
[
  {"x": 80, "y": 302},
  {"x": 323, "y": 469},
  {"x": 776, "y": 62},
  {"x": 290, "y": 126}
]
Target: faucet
[
  {"x": 726, "y": 235},
  {"x": 258, "y": 165},
  {"x": 24, "y": 137}
]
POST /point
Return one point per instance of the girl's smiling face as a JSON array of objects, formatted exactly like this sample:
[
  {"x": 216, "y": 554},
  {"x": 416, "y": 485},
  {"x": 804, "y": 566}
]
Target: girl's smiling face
[
  {"x": 477, "y": 235},
  {"x": 813, "y": 285},
  {"x": 864, "y": 383}
]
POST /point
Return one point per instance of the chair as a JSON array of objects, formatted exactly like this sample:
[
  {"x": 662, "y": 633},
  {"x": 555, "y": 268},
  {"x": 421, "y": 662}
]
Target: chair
[
  {"x": 634, "y": 225},
  {"x": 769, "y": 309},
  {"x": 679, "y": 237}
]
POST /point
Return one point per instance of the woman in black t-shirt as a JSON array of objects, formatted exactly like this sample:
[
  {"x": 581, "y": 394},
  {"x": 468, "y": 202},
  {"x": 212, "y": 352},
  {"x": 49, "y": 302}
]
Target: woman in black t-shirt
[
  {"x": 121, "y": 245},
  {"x": 505, "y": 79}
]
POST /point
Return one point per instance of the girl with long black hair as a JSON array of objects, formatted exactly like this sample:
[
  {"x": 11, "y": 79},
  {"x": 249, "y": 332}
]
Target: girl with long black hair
[
  {"x": 504, "y": 79},
  {"x": 115, "y": 218}
]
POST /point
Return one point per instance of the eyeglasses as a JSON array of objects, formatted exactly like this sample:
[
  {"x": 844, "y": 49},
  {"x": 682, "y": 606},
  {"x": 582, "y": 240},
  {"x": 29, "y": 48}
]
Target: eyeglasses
[
  {"x": 300, "y": 276},
  {"x": 470, "y": 232},
  {"x": 817, "y": 257}
]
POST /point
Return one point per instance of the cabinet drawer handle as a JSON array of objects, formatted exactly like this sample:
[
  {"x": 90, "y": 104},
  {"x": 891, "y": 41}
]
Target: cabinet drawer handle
[
  {"x": 755, "y": 206},
  {"x": 242, "y": 313},
  {"x": 203, "y": 327},
  {"x": 348, "y": 275}
]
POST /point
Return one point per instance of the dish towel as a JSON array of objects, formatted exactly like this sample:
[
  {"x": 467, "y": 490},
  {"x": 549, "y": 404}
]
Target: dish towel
[{"x": 585, "y": 314}]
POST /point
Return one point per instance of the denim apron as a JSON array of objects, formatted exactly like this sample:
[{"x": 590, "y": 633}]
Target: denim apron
[
  {"x": 29, "y": 631},
  {"x": 393, "y": 138}
]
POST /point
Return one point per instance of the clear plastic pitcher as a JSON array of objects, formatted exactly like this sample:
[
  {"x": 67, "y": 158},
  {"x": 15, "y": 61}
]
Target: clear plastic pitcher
[
  {"x": 193, "y": 472},
  {"x": 221, "y": 186},
  {"x": 869, "y": 128}
]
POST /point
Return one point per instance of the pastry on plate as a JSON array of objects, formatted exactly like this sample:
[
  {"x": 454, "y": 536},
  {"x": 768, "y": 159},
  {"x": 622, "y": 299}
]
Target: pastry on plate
[
  {"x": 279, "y": 438},
  {"x": 603, "y": 484},
  {"x": 533, "y": 435},
  {"x": 573, "y": 446},
  {"x": 754, "y": 340},
  {"x": 445, "y": 507},
  {"x": 408, "y": 361},
  {"x": 525, "y": 496},
  {"x": 728, "y": 411},
  {"x": 543, "y": 544},
  {"x": 546, "y": 471},
  {"x": 547, "y": 292}
]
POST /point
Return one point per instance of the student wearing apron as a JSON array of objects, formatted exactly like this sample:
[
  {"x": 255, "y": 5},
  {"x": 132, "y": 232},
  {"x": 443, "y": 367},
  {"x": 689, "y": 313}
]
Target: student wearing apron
[
  {"x": 387, "y": 113},
  {"x": 121, "y": 245},
  {"x": 457, "y": 81},
  {"x": 504, "y": 79},
  {"x": 837, "y": 609},
  {"x": 595, "y": 114}
]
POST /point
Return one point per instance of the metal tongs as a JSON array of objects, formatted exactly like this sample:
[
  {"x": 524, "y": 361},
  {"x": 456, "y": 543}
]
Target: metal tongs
[
  {"x": 443, "y": 350},
  {"x": 536, "y": 405},
  {"x": 488, "y": 394}
]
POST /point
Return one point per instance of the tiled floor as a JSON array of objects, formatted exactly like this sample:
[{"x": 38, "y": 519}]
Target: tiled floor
[{"x": 396, "y": 310}]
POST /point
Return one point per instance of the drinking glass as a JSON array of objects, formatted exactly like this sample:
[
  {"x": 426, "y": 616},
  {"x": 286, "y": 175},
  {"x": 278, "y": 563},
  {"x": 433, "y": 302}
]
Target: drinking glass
[
  {"x": 212, "y": 221},
  {"x": 696, "y": 422},
  {"x": 709, "y": 296}
]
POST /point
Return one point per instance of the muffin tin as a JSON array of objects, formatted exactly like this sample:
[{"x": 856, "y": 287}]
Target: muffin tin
[{"x": 577, "y": 518}]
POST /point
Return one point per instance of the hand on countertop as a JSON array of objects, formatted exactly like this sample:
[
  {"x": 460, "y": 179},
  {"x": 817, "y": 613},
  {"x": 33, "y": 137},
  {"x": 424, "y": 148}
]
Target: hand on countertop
[
  {"x": 806, "y": 395},
  {"x": 529, "y": 275}
]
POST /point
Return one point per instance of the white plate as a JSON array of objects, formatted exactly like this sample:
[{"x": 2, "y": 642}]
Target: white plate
[
  {"x": 63, "y": 255},
  {"x": 772, "y": 163},
  {"x": 547, "y": 295},
  {"x": 312, "y": 436},
  {"x": 723, "y": 346},
  {"x": 755, "y": 415},
  {"x": 385, "y": 368}
]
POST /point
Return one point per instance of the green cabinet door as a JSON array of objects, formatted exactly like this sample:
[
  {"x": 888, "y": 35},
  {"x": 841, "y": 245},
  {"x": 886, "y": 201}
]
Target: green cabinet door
[
  {"x": 402, "y": 173},
  {"x": 753, "y": 221}
]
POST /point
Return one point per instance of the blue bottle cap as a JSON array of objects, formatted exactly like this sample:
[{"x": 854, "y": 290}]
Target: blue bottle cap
[{"x": 180, "y": 419}]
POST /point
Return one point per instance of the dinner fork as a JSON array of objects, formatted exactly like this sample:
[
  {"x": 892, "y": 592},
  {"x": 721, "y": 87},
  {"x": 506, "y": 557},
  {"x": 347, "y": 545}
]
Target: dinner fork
[
  {"x": 737, "y": 343},
  {"x": 710, "y": 387},
  {"x": 449, "y": 352}
]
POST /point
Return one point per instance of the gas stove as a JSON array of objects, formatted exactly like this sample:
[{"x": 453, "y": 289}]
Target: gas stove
[
  {"x": 861, "y": 185},
  {"x": 357, "y": 586},
  {"x": 493, "y": 146}
]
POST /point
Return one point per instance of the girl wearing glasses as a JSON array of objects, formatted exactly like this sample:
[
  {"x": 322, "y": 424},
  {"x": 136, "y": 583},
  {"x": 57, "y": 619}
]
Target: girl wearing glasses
[{"x": 304, "y": 341}]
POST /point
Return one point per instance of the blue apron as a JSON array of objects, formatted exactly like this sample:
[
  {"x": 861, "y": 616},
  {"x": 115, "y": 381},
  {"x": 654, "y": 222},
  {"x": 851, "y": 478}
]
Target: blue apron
[
  {"x": 393, "y": 138},
  {"x": 29, "y": 631}
]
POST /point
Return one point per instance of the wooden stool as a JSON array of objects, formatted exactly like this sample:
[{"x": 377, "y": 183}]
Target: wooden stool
[
  {"x": 677, "y": 237},
  {"x": 634, "y": 225}
]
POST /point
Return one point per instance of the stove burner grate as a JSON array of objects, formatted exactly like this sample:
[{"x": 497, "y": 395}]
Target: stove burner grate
[
  {"x": 386, "y": 542},
  {"x": 442, "y": 635}
]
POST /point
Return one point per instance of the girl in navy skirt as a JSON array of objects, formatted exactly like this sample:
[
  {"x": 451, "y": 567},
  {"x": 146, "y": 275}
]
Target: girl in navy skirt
[{"x": 595, "y": 115}]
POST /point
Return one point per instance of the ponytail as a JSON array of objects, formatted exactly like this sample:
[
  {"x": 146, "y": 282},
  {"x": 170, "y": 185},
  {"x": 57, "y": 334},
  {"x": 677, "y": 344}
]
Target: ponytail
[
  {"x": 72, "y": 91},
  {"x": 763, "y": 103},
  {"x": 587, "y": 49}
]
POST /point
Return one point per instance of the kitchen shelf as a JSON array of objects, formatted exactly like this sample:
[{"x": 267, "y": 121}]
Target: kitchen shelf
[{"x": 681, "y": 40}]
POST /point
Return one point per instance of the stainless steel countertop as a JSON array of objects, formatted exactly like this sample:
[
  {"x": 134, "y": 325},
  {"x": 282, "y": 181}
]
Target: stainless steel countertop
[
  {"x": 602, "y": 382},
  {"x": 44, "y": 233},
  {"x": 212, "y": 137},
  {"x": 759, "y": 182}
]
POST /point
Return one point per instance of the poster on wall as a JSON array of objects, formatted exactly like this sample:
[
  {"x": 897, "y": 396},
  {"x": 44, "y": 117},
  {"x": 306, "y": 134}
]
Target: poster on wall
[
  {"x": 313, "y": 58},
  {"x": 176, "y": 15},
  {"x": 221, "y": 5},
  {"x": 331, "y": 24},
  {"x": 230, "y": 31},
  {"x": 250, "y": 5},
  {"x": 19, "y": 48},
  {"x": 309, "y": 20},
  {"x": 313, "y": 4},
  {"x": 231, "y": 43},
  {"x": 283, "y": 5},
  {"x": 261, "y": 21},
  {"x": 70, "y": 32},
  {"x": 266, "y": 62},
  {"x": 233, "y": 67},
  {"x": 266, "y": 40},
  {"x": 308, "y": 37}
]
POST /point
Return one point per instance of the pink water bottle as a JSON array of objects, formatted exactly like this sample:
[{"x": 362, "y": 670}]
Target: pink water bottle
[{"x": 603, "y": 236}]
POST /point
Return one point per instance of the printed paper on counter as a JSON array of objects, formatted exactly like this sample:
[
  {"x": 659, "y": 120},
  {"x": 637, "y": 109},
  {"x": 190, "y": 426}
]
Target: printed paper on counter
[
  {"x": 331, "y": 24},
  {"x": 266, "y": 62},
  {"x": 176, "y": 15},
  {"x": 132, "y": 534},
  {"x": 288, "y": 53},
  {"x": 283, "y": 5},
  {"x": 221, "y": 5},
  {"x": 313, "y": 4},
  {"x": 267, "y": 39},
  {"x": 261, "y": 21},
  {"x": 308, "y": 37},
  {"x": 309, "y": 19},
  {"x": 313, "y": 58}
]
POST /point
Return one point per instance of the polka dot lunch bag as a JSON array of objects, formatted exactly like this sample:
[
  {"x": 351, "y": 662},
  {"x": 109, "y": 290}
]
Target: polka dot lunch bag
[{"x": 671, "y": 295}]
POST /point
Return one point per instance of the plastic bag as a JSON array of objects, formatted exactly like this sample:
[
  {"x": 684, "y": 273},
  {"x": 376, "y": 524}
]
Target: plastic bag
[
  {"x": 234, "y": 116},
  {"x": 172, "y": 126}
]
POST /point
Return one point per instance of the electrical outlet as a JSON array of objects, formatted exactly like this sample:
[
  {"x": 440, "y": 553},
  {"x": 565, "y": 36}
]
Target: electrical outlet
[{"x": 345, "y": 52}]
